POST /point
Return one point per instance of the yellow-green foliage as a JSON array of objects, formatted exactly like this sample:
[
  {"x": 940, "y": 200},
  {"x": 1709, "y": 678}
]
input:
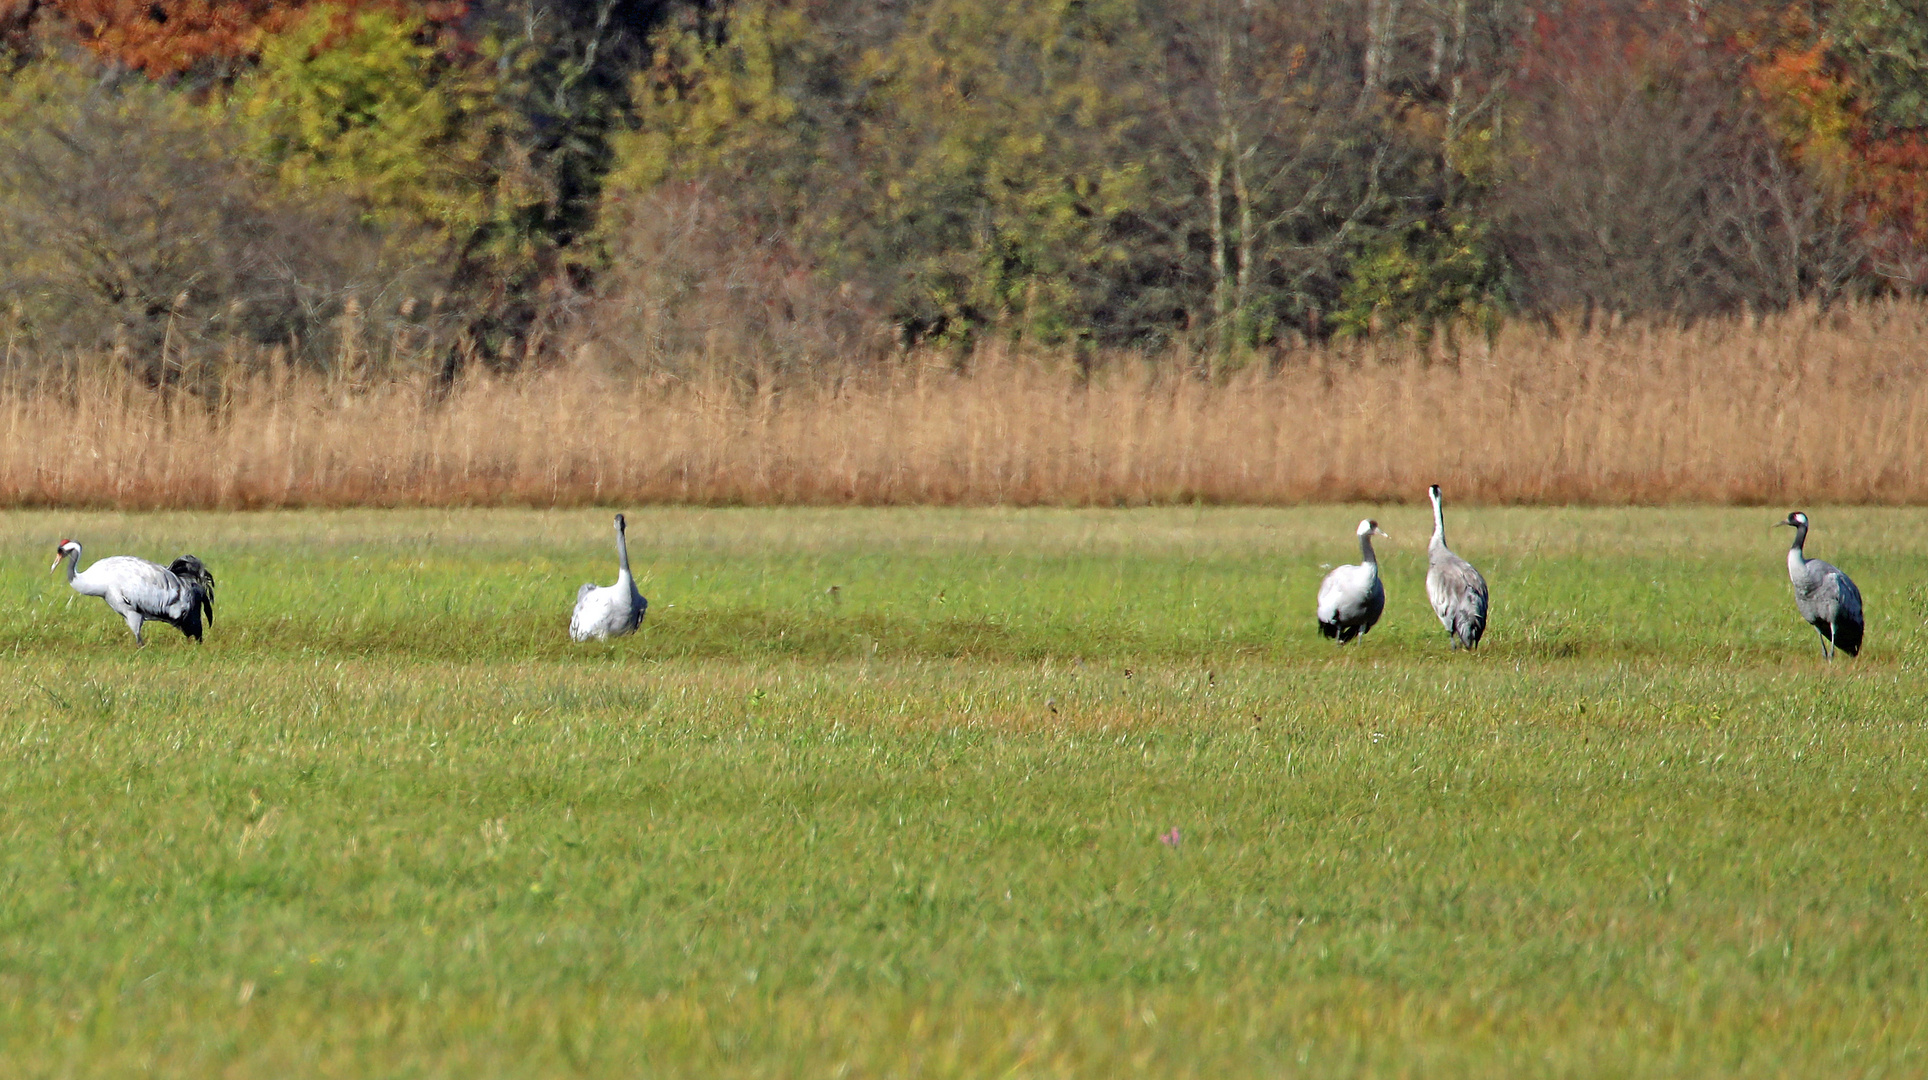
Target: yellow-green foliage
[
  {"x": 984, "y": 148},
  {"x": 727, "y": 101},
  {"x": 359, "y": 102},
  {"x": 1428, "y": 277},
  {"x": 1032, "y": 106}
]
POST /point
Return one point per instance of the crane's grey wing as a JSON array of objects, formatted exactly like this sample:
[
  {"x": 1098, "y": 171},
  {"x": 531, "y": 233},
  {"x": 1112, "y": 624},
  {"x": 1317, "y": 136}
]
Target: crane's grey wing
[
  {"x": 1831, "y": 604},
  {"x": 580, "y": 617},
  {"x": 1823, "y": 592},
  {"x": 150, "y": 590},
  {"x": 1464, "y": 589},
  {"x": 1847, "y": 594},
  {"x": 1338, "y": 592},
  {"x": 1459, "y": 597},
  {"x": 1351, "y": 595},
  {"x": 603, "y": 612}
]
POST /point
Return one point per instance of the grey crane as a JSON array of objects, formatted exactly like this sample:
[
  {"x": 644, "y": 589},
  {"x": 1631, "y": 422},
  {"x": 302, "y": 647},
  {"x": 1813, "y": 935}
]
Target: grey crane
[
  {"x": 177, "y": 594},
  {"x": 607, "y": 611},
  {"x": 1457, "y": 591},
  {"x": 1351, "y": 597},
  {"x": 1825, "y": 596}
]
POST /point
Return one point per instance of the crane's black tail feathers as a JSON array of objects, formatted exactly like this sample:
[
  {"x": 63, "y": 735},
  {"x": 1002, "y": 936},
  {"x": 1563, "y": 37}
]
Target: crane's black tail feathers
[
  {"x": 1847, "y": 636},
  {"x": 200, "y": 588},
  {"x": 1341, "y": 632}
]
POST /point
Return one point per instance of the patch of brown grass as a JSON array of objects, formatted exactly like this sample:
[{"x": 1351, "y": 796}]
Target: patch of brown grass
[{"x": 1799, "y": 408}]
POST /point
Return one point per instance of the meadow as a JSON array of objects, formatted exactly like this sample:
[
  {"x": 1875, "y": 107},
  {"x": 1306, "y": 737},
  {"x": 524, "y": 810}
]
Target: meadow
[{"x": 960, "y": 792}]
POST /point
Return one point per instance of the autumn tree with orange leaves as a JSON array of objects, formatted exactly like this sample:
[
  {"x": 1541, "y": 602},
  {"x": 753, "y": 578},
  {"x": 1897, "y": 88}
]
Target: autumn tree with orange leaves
[
  {"x": 1845, "y": 85},
  {"x": 169, "y": 38}
]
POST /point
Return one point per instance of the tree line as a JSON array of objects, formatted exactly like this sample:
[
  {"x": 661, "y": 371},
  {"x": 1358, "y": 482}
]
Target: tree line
[{"x": 457, "y": 182}]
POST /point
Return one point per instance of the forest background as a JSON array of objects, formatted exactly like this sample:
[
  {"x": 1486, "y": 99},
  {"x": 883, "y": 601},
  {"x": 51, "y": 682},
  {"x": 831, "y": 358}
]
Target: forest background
[{"x": 269, "y": 253}]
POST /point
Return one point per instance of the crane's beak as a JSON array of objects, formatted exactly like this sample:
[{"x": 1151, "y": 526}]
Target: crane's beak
[{"x": 1383, "y": 533}]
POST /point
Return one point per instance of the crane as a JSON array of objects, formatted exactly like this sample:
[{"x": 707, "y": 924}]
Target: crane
[
  {"x": 607, "y": 611},
  {"x": 1824, "y": 595},
  {"x": 1457, "y": 591},
  {"x": 1351, "y": 597},
  {"x": 178, "y": 594}
]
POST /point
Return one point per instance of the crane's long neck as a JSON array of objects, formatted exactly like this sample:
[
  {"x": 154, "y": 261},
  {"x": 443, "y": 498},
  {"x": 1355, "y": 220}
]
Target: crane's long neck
[
  {"x": 622, "y": 556},
  {"x": 1365, "y": 550},
  {"x": 1439, "y": 524},
  {"x": 79, "y": 582},
  {"x": 1796, "y": 558}
]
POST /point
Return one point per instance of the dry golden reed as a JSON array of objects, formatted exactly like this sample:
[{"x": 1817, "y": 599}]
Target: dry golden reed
[{"x": 1806, "y": 407}]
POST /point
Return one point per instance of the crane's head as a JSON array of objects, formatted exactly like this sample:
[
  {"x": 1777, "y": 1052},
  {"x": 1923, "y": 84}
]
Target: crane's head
[
  {"x": 1795, "y": 519},
  {"x": 621, "y": 525},
  {"x": 1370, "y": 527},
  {"x": 1433, "y": 493},
  {"x": 66, "y": 548}
]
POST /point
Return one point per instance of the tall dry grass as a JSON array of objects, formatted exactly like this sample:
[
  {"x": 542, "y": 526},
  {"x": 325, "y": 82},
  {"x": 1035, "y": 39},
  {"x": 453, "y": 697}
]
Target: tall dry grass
[{"x": 1805, "y": 407}]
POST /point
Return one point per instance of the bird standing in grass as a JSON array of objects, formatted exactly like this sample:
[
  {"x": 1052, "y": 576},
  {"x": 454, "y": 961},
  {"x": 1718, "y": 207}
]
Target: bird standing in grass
[
  {"x": 1823, "y": 594},
  {"x": 607, "y": 611},
  {"x": 137, "y": 590},
  {"x": 1351, "y": 597},
  {"x": 1457, "y": 591}
]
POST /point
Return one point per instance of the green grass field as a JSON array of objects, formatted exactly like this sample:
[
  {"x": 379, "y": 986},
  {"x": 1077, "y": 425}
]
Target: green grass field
[{"x": 389, "y": 821}]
